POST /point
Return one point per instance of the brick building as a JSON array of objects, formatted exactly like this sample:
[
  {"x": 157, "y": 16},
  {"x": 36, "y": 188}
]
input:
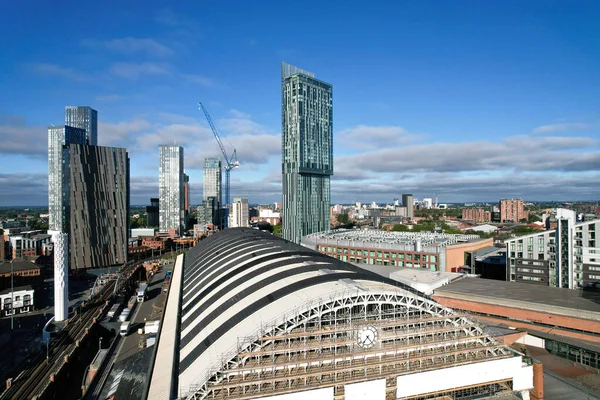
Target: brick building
[
  {"x": 478, "y": 215},
  {"x": 512, "y": 210},
  {"x": 424, "y": 250}
]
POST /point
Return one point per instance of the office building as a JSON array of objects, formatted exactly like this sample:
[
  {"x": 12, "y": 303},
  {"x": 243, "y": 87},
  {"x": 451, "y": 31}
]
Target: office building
[
  {"x": 438, "y": 252},
  {"x": 566, "y": 257},
  {"x": 152, "y": 212},
  {"x": 250, "y": 315},
  {"x": 59, "y": 138},
  {"x": 99, "y": 206},
  {"x": 238, "y": 217},
  {"x": 170, "y": 189},
  {"x": 307, "y": 152},
  {"x": 512, "y": 210},
  {"x": 408, "y": 202},
  {"x": 86, "y": 118},
  {"x": 211, "y": 184},
  {"x": 478, "y": 215}
]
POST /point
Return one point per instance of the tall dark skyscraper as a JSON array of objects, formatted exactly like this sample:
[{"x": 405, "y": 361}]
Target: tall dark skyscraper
[
  {"x": 83, "y": 117},
  {"x": 99, "y": 206},
  {"x": 307, "y": 152}
]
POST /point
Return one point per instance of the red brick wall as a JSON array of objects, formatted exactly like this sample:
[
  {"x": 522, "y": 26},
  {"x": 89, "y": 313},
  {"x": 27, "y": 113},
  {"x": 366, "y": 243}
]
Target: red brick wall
[{"x": 525, "y": 315}]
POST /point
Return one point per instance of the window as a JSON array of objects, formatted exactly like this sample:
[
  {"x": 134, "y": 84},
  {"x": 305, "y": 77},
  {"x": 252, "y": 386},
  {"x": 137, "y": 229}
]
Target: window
[{"x": 409, "y": 256}]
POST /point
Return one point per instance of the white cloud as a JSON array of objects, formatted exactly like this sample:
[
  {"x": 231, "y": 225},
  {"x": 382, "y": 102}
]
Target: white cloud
[
  {"x": 108, "y": 98},
  {"x": 372, "y": 137},
  {"x": 560, "y": 127},
  {"x": 129, "y": 70},
  {"x": 133, "y": 46},
  {"x": 122, "y": 133},
  {"x": 200, "y": 80},
  {"x": 49, "y": 69}
]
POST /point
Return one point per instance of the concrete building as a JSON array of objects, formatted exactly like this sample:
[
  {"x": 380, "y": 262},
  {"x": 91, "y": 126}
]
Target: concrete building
[
  {"x": 28, "y": 244},
  {"x": 426, "y": 250},
  {"x": 408, "y": 202},
  {"x": 86, "y": 118},
  {"x": 477, "y": 215},
  {"x": 238, "y": 217},
  {"x": 307, "y": 152},
  {"x": 17, "y": 301},
  {"x": 253, "y": 308},
  {"x": 427, "y": 202},
  {"x": 61, "y": 277},
  {"x": 213, "y": 179},
  {"x": 170, "y": 189},
  {"x": 99, "y": 206},
  {"x": 59, "y": 138},
  {"x": 512, "y": 210},
  {"x": 566, "y": 257}
]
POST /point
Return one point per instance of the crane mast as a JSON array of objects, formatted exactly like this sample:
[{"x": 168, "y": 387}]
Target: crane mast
[{"x": 231, "y": 162}]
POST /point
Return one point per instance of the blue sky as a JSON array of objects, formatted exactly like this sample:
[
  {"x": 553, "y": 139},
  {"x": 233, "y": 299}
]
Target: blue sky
[{"x": 472, "y": 100}]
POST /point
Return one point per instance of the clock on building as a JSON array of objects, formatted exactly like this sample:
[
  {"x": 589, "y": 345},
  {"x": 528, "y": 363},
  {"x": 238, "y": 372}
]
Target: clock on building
[{"x": 367, "y": 336}]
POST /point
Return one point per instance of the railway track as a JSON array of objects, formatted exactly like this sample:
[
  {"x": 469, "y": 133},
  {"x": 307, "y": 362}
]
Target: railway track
[{"x": 33, "y": 381}]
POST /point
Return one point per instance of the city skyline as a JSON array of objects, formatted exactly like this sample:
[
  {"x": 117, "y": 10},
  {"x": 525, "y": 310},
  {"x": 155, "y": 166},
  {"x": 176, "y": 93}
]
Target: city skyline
[{"x": 488, "y": 111}]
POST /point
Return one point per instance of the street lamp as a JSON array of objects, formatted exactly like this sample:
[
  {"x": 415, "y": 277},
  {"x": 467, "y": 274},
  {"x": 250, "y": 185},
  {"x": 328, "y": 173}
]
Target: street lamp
[{"x": 100, "y": 344}]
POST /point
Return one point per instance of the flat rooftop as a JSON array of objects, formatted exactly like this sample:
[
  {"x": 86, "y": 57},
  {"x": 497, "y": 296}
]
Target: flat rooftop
[
  {"x": 571, "y": 302},
  {"x": 358, "y": 237}
]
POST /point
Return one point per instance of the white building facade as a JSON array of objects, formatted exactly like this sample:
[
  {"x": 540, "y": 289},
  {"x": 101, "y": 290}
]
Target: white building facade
[
  {"x": 170, "y": 189},
  {"x": 567, "y": 257},
  {"x": 239, "y": 216}
]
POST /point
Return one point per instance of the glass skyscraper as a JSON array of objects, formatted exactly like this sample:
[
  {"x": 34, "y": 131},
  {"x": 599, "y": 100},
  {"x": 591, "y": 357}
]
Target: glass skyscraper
[
  {"x": 307, "y": 152},
  {"x": 170, "y": 189},
  {"x": 211, "y": 184},
  {"x": 59, "y": 138},
  {"x": 83, "y": 117}
]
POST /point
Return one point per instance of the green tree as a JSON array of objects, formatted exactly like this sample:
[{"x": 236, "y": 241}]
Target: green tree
[
  {"x": 400, "y": 228},
  {"x": 277, "y": 229},
  {"x": 343, "y": 219}
]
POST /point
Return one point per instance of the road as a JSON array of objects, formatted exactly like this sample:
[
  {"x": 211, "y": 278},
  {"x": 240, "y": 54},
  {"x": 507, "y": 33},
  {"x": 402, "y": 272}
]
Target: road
[{"x": 129, "y": 375}]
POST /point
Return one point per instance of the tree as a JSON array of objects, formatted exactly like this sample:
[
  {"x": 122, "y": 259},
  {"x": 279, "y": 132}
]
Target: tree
[
  {"x": 277, "y": 229},
  {"x": 343, "y": 219},
  {"x": 400, "y": 228}
]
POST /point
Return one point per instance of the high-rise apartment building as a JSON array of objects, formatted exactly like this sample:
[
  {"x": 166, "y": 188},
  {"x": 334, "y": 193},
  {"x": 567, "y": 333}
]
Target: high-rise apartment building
[
  {"x": 512, "y": 210},
  {"x": 211, "y": 184},
  {"x": 408, "y": 202},
  {"x": 99, "y": 206},
  {"x": 83, "y": 117},
  {"x": 307, "y": 152},
  {"x": 170, "y": 188},
  {"x": 567, "y": 257},
  {"x": 477, "y": 215},
  {"x": 239, "y": 218},
  {"x": 59, "y": 139}
]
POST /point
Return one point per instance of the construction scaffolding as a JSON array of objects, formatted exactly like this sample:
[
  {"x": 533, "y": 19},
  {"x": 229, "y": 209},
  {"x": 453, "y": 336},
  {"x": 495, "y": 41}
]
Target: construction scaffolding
[{"x": 324, "y": 346}]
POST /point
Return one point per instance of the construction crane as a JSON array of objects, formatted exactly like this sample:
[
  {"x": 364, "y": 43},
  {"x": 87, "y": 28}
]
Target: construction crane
[{"x": 230, "y": 162}]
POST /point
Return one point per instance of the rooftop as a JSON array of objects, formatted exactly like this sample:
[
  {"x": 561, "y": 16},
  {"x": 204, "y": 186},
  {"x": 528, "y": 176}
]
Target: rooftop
[
  {"x": 524, "y": 295},
  {"x": 16, "y": 289},
  {"x": 388, "y": 238},
  {"x": 18, "y": 265}
]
